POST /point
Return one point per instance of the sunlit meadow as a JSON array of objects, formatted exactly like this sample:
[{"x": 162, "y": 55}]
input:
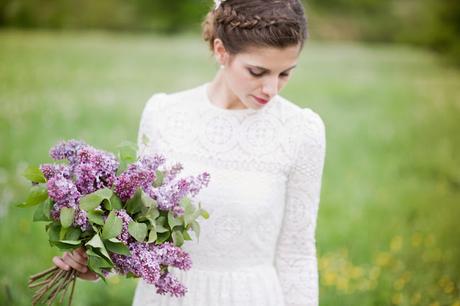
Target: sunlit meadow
[{"x": 387, "y": 230}]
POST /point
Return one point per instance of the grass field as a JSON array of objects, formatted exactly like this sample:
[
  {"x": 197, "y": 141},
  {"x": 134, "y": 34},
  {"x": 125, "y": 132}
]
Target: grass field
[{"x": 388, "y": 226}]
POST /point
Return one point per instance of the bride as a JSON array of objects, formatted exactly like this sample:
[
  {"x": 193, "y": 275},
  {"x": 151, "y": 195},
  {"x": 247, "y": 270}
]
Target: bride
[{"x": 265, "y": 156}]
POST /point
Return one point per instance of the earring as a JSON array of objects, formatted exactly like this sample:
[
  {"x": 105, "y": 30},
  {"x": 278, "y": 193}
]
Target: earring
[{"x": 222, "y": 66}]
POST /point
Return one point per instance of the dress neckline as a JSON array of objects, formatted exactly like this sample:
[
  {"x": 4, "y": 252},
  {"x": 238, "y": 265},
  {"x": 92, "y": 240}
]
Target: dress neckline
[{"x": 215, "y": 108}]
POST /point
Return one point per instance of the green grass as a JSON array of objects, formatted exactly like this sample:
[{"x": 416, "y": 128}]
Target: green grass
[{"x": 388, "y": 221}]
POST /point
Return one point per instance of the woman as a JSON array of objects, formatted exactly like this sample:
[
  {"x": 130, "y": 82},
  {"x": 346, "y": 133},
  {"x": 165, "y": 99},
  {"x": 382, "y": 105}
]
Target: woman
[{"x": 265, "y": 156}]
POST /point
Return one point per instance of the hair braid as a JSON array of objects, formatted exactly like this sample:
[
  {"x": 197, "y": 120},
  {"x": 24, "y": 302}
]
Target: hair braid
[{"x": 240, "y": 23}]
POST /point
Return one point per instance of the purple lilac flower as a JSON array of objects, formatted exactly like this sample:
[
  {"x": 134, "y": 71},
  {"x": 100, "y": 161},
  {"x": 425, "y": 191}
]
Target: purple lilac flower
[
  {"x": 167, "y": 283},
  {"x": 125, "y": 218},
  {"x": 172, "y": 173},
  {"x": 94, "y": 170},
  {"x": 142, "y": 262},
  {"x": 67, "y": 150},
  {"x": 140, "y": 174},
  {"x": 171, "y": 255},
  {"x": 198, "y": 182},
  {"x": 65, "y": 194},
  {"x": 62, "y": 190},
  {"x": 146, "y": 261},
  {"x": 51, "y": 170},
  {"x": 168, "y": 196}
]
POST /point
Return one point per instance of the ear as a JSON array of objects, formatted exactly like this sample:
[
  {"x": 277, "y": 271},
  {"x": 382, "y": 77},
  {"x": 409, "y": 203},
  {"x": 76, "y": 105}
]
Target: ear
[{"x": 220, "y": 53}]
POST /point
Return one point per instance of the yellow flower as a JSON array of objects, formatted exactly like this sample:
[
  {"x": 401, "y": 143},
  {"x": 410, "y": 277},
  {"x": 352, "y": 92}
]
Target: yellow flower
[
  {"x": 416, "y": 298},
  {"x": 396, "y": 244},
  {"x": 396, "y": 299},
  {"x": 416, "y": 240},
  {"x": 383, "y": 259}
]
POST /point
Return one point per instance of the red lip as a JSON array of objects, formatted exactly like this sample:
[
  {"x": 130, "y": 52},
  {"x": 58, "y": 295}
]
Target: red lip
[{"x": 260, "y": 100}]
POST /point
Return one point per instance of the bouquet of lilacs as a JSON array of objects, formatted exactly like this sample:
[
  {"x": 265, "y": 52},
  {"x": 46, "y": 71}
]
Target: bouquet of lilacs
[{"x": 130, "y": 215}]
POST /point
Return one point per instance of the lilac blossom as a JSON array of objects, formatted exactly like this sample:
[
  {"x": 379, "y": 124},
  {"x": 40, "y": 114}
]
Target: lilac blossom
[
  {"x": 171, "y": 255},
  {"x": 172, "y": 173},
  {"x": 67, "y": 150},
  {"x": 62, "y": 190},
  {"x": 168, "y": 196},
  {"x": 95, "y": 169},
  {"x": 169, "y": 284},
  {"x": 125, "y": 218},
  {"x": 142, "y": 262},
  {"x": 146, "y": 261},
  {"x": 65, "y": 194},
  {"x": 50, "y": 170},
  {"x": 140, "y": 174}
]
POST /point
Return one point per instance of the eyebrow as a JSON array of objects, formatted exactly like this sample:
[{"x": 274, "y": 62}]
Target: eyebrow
[{"x": 264, "y": 69}]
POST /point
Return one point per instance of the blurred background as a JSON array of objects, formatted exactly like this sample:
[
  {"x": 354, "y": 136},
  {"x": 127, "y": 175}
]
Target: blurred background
[{"x": 383, "y": 75}]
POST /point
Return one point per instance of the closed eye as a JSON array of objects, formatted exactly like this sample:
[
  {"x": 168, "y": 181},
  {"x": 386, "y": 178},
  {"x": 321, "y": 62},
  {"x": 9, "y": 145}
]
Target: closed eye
[{"x": 256, "y": 74}]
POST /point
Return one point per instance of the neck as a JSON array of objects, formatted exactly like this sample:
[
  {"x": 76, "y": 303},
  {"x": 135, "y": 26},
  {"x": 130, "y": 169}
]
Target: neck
[{"x": 221, "y": 95}]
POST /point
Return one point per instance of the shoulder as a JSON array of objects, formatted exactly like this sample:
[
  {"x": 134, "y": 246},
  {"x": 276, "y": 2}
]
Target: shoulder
[
  {"x": 162, "y": 99},
  {"x": 301, "y": 120}
]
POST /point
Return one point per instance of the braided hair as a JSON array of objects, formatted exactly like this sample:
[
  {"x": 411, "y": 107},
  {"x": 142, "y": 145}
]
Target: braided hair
[{"x": 241, "y": 24}]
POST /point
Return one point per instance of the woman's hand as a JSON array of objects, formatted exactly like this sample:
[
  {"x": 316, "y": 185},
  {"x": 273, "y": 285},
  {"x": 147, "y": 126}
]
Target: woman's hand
[{"x": 77, "y": 260}]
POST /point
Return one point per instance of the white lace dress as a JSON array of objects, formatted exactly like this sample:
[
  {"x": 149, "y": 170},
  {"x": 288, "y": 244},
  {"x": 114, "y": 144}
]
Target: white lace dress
[{"x": 258, "y": 246}]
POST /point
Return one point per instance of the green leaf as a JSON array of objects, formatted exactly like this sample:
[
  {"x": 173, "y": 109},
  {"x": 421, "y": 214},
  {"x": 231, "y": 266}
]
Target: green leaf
[
  {"x": 196, "y": 229},
  {"x": 71, "y": 242},
  {"x": 135, "y": 205},
  {"x": 112, "y": 227},
  {"x": 95, "y": 264},
  {"x": 34, "y": 174},
  {"x": 116, "y": 247},
  {"x": 162, "y": 237},
  {"x": 93, "y": 200},
  {"x": 42, "y": 213},
  {"x": 159, "y": 178},
  {"x": 204, "y": 213},
  {"x": 162, "y": 220},
  {"x": 37, "y": 194},
  {"x": 66, "y": 216},
  {"x": 73, "y": 234},
  {"x": 178, "y": 239},
  {"x": 95, "y": 242},
  {"x": 54, "y": 229},
  {"x": 152, "y": 214},
  {"x": 126, "y": 155},
  {"x": 98, "y": 247},
  {"x": 161, "y": 229},
  {"x": 147, "y": 201},
  {"x": 173, "y": 221},
  {"x": 116, "y": 202},
  {"x": 152, "y": 236},
  {"x": 137, "y": 230},
  {"x": 127, "y": 152},
  {"x": 186, "y": 235},
  {"x": 95, "y": 216}
]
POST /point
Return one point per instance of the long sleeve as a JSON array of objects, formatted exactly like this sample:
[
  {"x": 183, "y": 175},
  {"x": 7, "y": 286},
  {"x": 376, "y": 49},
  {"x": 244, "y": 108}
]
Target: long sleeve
[
  {"x": 295, "y": 260},
  {"x": 145, "y": 135}
]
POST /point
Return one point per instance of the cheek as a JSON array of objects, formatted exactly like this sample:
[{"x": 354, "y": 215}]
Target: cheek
[{"x": 243, "y": 82}]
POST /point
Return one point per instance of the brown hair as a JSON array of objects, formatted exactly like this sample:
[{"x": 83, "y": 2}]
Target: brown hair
[{"x": 256, "y": 23}]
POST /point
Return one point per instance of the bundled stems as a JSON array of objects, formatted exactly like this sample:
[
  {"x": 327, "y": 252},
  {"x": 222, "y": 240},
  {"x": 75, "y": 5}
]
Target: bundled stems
[{"x": 51, "y": 283}]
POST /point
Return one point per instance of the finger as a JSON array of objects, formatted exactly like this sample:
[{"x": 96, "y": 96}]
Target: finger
[
  {"x": 60, "y": 263},
  {"x": 68, "y": 259},
  {"x": 76, "y": 256},
  {"x": 82, "y": 252}
]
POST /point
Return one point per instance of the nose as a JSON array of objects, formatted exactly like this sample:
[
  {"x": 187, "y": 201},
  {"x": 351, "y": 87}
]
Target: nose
[{"x": 270, "y": 87}]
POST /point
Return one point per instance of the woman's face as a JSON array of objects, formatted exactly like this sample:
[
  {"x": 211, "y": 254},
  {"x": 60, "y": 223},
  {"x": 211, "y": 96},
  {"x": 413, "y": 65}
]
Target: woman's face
[{"x": 260, "y": 73}]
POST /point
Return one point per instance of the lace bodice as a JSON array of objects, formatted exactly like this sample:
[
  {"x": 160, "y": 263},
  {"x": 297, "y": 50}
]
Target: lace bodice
[{"x": 258, "y": 246}]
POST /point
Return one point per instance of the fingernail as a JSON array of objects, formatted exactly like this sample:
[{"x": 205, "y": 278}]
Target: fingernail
[{"x": 85, "y": 270}]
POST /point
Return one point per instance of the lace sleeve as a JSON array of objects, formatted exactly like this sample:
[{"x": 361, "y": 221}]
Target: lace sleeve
[
  {"x": 144, "y": 135},
  {"x": 295, "y": 260}
]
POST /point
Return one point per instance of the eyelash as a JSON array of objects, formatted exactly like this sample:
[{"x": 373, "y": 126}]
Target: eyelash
[{"x": 261, "y": 74}]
